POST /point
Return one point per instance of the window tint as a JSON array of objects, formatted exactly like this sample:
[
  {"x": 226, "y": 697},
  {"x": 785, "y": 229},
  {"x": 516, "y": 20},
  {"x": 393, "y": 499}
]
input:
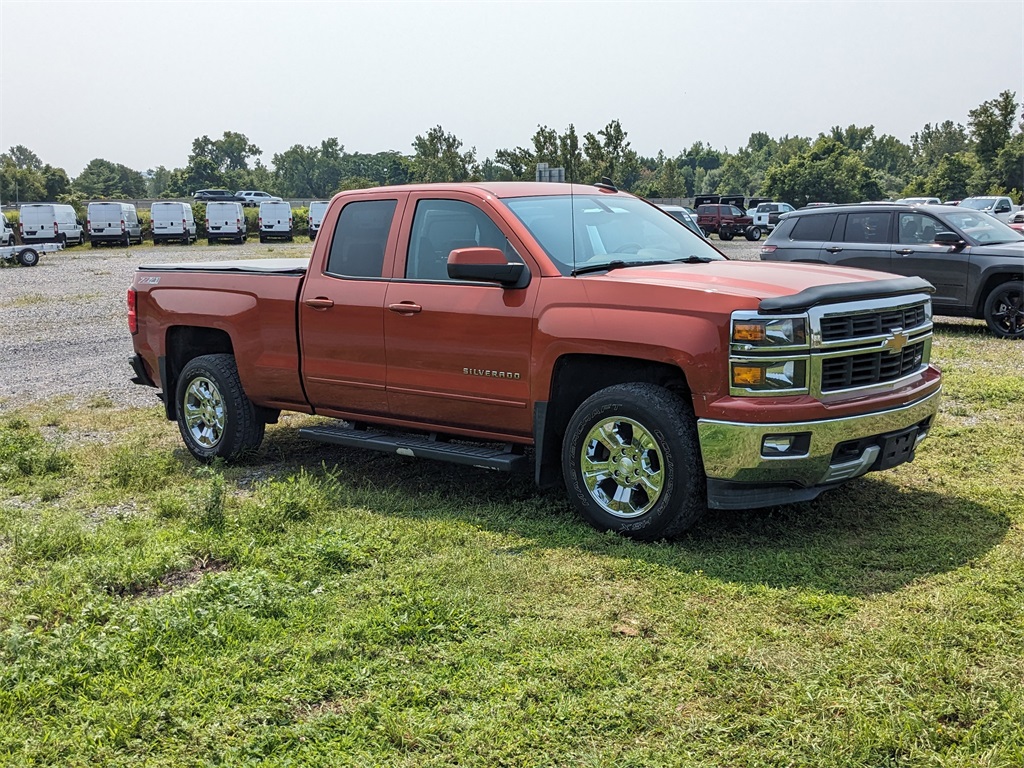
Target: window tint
[
  {"x": 814, "y": 227},
  {"x": 441, "y": 226},
  {"x": 918, "y": 228},
  {"x": 867, "y": 228},
  {"x": 360, "y": 236},
  {"x": 734, "y": 211}
]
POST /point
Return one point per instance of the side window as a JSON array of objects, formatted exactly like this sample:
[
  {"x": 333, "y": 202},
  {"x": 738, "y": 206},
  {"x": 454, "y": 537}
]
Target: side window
[
  {"x": 360, "y": 236},
  {"x": 867, "y": 228},
  {"x": 814, "y": 227},
  {"x": 917, "y": 228},
  {"x": 441, "y": 226}
]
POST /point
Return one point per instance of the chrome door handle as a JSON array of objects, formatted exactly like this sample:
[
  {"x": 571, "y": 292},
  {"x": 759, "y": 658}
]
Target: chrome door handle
[
  {"x": 834, "y": 249},
  {"x": 905, "y": 251}
]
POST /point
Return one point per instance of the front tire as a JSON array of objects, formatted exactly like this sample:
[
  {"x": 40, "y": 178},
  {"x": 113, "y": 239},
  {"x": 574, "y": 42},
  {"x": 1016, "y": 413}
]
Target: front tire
[
  {"x": 1004, "y": 310},
  {"x": 753, "y": 233},
  {"x": 631, "y": 462},
  {"x": 723, "y": 235},
  {"x": 215, "y": 417}
]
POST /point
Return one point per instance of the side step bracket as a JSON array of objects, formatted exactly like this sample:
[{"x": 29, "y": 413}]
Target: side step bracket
[{"x": 502, "y": 459}]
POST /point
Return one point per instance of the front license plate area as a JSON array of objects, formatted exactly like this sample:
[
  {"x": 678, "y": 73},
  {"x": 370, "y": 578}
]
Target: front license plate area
[{"x": 897, "y": 448}]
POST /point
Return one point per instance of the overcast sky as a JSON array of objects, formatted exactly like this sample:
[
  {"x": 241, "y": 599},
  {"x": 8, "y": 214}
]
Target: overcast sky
[{"x": 135, "y": 82}]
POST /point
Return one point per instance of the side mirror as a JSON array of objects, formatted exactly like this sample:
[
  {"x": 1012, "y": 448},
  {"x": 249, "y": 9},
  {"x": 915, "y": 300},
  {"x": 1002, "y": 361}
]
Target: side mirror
[
  {"x": 1004, "y": 208},
  {"x": 488, "y": 265},
  {"x": 948, "y": 238}
]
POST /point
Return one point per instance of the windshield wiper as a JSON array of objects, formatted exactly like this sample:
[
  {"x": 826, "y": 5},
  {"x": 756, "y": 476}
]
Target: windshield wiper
[{"x": 619, "y": 263}]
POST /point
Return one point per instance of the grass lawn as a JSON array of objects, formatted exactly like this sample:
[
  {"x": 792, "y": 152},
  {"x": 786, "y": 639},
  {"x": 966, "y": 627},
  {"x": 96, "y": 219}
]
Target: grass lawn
[{"x": 317, "y": 606}]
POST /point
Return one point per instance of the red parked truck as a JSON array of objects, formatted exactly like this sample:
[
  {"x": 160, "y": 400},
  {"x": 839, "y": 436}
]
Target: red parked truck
[{"x": 577, "y": 329}]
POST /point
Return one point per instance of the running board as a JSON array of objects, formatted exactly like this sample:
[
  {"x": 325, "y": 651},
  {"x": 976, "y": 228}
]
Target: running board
[{"x": 420, "y": 446}]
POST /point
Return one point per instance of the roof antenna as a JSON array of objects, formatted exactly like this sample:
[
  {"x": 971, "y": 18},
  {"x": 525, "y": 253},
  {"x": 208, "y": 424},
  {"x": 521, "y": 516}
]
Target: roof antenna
[{"x": 606, "y": 184}]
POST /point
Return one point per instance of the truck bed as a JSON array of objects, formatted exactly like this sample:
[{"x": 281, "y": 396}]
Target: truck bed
[{"x": 255, "y": 266}]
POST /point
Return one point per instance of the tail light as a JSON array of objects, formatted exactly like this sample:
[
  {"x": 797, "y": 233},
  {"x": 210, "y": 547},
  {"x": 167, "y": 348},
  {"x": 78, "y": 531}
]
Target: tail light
[
  {"x": 184, "y": 226},
  {"x": 207, "y": 223},
  {"x": 766, "y": 249},
  {"x": 133, "y": 315},
  {"x": 56, "y": 229},
  {"x": 261, "y": 222},
  {"x": 88, "y": 224},
  {"x": 21, "y": 227},
  {"x": 123, "y": 227}
]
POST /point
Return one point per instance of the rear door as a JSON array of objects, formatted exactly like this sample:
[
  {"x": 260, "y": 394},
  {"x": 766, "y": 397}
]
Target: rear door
[
  {"x": 458, "y": 351},
  {"x": 341, "y": 310},
  {"x": 860, "y": 239}
]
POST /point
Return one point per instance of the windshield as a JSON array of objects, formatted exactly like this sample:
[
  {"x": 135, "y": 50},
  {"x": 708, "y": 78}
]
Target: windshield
[
  {"x": 590, "y": 230},
  {"x": 978, "y": 203},
  {"x": 981, "y": 227}
]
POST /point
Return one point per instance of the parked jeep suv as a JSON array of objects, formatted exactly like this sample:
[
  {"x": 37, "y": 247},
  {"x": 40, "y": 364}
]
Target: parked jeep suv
[
  {"x": 726, "y": 221},
  {"x": 975, "y": 262}
]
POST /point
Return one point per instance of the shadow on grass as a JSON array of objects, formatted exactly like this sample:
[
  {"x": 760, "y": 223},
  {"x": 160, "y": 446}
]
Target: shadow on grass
[
  {"x": 866, "y": 537},
  {"x": 961, "y": 326}
]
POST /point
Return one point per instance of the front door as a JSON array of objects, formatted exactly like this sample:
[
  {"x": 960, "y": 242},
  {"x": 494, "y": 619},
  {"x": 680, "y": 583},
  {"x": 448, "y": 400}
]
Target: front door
[
  {"x": 915, "y": 252},
  {"x": 458, "y": 352}
]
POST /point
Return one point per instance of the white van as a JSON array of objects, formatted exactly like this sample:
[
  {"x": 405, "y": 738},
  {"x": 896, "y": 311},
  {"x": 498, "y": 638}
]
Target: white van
[
  {"x": 225, "y": 221},
  {"x": 6, "y": 233},
  {"x": 275, "y": 220},
  {"x": 173, "y": 221},
  {"x": 113, "y": 223},
  {"x": 50, "y": 223},
  {"x": 317, "y": 209}
]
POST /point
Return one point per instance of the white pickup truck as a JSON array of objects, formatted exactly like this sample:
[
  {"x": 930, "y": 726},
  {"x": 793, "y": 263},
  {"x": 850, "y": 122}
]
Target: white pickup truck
[
  {"x": 766, "y": 215},
  {"x": 999, "y": 206}
]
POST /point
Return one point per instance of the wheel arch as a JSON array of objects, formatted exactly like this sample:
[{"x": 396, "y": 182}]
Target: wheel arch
[
  {"x": 575, "y": 377},
  {"x": 182, "y": 344},
  {"x": 993, "y": 281}
]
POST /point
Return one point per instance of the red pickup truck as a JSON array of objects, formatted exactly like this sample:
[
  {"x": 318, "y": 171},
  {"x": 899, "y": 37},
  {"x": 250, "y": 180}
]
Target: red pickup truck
[{"x": 577, "y": 329}]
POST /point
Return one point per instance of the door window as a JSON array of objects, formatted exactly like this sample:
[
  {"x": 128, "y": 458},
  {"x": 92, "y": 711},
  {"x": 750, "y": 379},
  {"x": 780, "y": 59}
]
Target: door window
[
  {"x": 360, "y": 237},
  {"x": 917, "y": 228},
  {"x": 868, "y": 227},
  {"x": 441, "y": 226}
]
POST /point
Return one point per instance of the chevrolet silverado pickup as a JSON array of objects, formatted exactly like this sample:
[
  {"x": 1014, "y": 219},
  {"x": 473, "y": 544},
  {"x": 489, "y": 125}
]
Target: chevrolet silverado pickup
[{"x": 575, "y": 330}]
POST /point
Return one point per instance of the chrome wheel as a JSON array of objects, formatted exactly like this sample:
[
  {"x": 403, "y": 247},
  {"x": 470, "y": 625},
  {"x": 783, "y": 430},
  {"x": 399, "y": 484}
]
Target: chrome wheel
[
  {"x": 623, "y": 467},
  {"x": 204, "y": 412}
]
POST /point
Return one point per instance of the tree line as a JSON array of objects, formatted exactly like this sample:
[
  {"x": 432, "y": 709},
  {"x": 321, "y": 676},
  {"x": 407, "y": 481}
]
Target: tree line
[{"x": 947, "y": 160}]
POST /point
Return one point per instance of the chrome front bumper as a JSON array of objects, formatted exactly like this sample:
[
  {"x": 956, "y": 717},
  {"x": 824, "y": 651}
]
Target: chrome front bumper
[{"x": 742, "y": 455}]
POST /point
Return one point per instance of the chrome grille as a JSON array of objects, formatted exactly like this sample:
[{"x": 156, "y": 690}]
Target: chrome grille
[
  {"x": 863, "y": 370},
  {"x": 854, "y": 326}
]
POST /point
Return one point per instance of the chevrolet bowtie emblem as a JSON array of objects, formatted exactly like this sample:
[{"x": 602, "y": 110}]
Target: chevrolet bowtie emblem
[{"x": 896, "y": 341}]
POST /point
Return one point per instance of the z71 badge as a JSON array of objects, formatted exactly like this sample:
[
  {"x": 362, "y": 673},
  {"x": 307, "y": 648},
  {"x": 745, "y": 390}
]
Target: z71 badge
[{"x": 144, "y": 280}]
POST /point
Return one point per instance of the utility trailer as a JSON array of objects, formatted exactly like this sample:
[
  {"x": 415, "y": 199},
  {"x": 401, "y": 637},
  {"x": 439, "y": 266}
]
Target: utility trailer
[{"x": 28, "y": 255}]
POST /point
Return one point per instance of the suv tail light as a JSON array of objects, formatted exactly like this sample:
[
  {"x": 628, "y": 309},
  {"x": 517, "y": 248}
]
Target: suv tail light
[
  {"x": 133, "y": 316},
  {"x": 766, "y": 249}
]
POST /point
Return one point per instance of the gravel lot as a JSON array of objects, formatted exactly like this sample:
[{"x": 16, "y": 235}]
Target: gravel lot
[{"x": 65, "y": 331}]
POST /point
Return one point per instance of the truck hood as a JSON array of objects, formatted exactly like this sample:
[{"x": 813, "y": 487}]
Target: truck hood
[{"x": 744, "y": 279}]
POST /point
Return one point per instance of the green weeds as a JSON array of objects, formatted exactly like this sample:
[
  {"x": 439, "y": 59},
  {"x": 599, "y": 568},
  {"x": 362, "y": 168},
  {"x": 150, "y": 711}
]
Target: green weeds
[{"x": 321, "y": 607}]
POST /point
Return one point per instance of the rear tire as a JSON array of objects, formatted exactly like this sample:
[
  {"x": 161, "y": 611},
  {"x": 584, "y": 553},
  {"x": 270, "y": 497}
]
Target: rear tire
[
  {"x": 215, "y": 417},
  {"x": 28, "y": 257},
  {"x": 753, "y": 233},
  {"x": 723, "y": 235},
  {"x": 631, "y": 462}
]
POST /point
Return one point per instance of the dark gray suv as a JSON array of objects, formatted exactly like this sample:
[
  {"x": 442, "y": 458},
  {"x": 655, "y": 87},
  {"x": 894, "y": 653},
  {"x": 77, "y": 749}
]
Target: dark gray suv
[{"x": 975, "y": 262}]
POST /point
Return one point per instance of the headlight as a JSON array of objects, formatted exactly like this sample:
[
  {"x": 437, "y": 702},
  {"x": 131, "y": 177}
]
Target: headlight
[
  {"x": 769, "y": 376},
  {"x": 783, "y": 332}
]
